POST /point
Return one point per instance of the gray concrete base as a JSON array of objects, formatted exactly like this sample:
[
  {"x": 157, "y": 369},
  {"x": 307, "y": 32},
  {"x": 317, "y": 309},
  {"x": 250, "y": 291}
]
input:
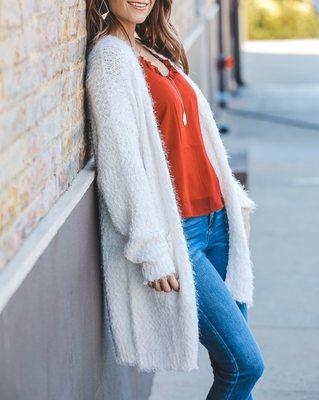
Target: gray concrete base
[
  {"x": 53, "y": 344},
  {"x": 51, "y": 329}
]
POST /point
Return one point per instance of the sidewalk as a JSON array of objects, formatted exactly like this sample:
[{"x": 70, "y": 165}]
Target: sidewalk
[{"x": 284, "y": 182}]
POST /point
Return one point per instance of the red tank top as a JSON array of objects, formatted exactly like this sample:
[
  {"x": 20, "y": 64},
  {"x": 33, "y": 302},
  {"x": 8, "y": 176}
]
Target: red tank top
[{"x": 195, "y": 181}]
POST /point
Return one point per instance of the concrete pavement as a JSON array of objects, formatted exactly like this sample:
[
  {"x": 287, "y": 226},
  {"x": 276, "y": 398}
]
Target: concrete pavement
[{"x": 284, "y": 181}]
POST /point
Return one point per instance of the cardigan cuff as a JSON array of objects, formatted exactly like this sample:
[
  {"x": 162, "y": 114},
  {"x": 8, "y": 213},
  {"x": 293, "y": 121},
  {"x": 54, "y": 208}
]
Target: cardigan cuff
[
  {"x": 158, "y": 269},
  {"x": 244, "y": 199}
]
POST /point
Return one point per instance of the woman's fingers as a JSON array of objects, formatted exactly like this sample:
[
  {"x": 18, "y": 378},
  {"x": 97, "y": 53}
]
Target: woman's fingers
[
  {"x": 157, "y": 285},
  {"x": 165, "y": 284},
  {"x": 173, "y": 282}
]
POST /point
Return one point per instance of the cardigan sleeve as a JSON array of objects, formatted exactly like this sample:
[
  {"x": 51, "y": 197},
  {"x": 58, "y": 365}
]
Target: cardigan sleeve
[
  {"x": 121, "y": 175},
  {"x": 244, "y": 199}
]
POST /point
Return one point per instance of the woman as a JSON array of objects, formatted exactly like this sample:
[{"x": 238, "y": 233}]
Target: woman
[{"x": 174, "y": 220}]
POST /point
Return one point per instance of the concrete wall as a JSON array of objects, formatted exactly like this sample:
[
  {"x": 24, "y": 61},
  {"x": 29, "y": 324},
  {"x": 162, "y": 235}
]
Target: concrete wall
[
  {"x": 53, "y": 342},
  {"x": 51, "y": 329}
]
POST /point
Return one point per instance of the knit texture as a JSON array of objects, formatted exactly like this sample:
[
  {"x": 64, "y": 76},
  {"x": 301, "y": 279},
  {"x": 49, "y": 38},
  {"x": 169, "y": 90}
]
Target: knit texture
[{"x": 142, "y": 236}]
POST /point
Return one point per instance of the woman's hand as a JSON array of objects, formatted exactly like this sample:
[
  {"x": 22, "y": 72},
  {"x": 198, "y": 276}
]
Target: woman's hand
[
  {"x": 166, "y": 284},
  {"x": 246, "y": 218}
]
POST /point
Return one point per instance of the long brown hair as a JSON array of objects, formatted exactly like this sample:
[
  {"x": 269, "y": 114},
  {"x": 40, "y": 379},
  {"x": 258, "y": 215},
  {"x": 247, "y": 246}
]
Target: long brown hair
[{"x": 156, "y": 32}]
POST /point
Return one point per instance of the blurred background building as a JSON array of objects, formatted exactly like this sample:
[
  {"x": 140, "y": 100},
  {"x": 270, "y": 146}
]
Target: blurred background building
[{"x": 263, "y": 87}]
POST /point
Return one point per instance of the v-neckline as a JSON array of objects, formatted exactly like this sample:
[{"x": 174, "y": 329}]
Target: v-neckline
[
  {"x": 155, "y": 67},
  {"x": 165, "y": 61}
]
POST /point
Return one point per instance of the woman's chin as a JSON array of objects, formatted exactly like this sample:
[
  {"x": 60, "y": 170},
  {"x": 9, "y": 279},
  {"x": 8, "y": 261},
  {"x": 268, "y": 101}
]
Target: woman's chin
[
  {"x": 140, "y": 20},
  {"x": 137, "y": 19}
]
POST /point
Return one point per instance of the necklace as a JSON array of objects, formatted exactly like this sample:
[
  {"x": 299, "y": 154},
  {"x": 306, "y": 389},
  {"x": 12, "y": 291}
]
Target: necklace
[{"x": 184, "y": 116}]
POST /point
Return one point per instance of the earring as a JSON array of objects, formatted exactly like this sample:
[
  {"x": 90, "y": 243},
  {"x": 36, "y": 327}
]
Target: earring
[{"x": 107, "y": 10}]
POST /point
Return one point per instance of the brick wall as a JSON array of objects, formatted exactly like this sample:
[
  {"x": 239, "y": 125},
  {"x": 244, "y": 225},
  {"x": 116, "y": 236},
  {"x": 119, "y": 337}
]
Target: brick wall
[
  {"x": 42, "y": 148},
  {"x": 42, "y": 46}
]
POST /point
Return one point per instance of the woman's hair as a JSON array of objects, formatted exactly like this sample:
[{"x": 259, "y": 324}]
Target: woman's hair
[{"x": 156, "y": 32}]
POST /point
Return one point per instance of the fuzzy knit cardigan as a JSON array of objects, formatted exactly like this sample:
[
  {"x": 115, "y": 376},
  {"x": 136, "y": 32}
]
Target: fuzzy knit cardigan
[{"x": 142, "y": 236}]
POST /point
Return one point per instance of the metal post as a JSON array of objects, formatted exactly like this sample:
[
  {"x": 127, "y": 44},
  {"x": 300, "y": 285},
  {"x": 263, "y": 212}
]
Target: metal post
[
  {"x": 221, "y": 75},
  {"x": 235, "y": 29}
]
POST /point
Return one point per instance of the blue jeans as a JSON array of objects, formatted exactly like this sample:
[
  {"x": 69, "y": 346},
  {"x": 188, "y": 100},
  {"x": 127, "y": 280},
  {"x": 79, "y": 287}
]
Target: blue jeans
[{"x": 235, "y": 357}]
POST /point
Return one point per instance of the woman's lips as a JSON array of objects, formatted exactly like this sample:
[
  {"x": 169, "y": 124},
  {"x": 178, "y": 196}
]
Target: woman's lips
[{"x": 140, "y": 6}]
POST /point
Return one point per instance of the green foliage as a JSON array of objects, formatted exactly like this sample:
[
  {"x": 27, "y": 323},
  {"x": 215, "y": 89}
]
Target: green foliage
[{"x": 281, "y": 19}]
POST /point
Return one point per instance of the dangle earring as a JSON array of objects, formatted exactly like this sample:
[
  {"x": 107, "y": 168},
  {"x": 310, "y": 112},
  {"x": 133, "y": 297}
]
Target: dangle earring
[{"x": 107, "y": 11}]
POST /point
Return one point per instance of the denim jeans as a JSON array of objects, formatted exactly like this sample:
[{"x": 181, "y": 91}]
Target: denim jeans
[{"x": 235, "y": 357}]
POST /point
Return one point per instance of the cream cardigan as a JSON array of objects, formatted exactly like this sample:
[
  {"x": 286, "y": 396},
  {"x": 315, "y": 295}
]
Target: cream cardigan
[{"x": 141, "y": 232}]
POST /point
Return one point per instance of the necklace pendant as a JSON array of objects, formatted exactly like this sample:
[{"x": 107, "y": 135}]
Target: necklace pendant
[{"x": 184, "y": 118}]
